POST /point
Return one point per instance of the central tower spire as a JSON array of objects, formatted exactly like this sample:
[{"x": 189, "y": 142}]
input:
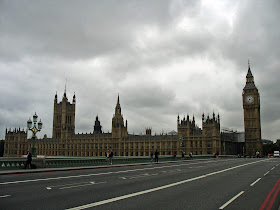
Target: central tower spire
[
  {"x": 118, "y": 128},
  {"x": 118, "y": 107}
]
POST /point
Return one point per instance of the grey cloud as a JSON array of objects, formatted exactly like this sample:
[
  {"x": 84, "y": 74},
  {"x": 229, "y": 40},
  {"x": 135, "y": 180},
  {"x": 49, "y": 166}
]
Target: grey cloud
[
  {"x": 42, "y": 43},
  {"x": 74, "y": 29}
]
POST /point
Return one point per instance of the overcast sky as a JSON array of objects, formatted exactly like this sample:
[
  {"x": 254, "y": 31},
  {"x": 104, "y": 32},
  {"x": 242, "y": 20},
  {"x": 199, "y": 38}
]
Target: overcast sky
[{"x": 164, "y": 58}]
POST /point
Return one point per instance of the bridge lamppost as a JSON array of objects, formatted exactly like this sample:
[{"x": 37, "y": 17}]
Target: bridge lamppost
[
  {"x": 181, "y": 140},
  {"x": 34, "y": 130}
]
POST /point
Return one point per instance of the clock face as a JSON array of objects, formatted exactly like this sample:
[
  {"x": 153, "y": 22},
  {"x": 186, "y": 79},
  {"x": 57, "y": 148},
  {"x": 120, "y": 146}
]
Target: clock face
[{"x": 250, "y": 99}]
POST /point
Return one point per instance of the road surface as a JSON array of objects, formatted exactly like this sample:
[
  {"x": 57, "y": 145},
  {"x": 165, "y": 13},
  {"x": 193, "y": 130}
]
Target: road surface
[{"x": 243, "y": 183}]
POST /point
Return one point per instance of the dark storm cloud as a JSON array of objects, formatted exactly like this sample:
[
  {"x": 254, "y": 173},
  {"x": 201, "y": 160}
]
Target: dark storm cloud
[
  {"x": 74, "y": 29},
  {"x": 163, "y": 57},
  {"x": 256, "y": 37}
]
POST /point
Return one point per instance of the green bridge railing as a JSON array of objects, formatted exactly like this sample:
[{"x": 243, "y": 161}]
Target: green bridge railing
[{"x": 62, "y": 162}]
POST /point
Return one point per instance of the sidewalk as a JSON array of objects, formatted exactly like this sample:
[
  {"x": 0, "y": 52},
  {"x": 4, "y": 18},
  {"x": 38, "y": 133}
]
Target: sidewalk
[{"x": 41, "y": 170}]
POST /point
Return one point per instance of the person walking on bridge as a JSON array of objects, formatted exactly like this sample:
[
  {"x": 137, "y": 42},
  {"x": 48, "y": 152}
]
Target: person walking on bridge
[
  {"x": 107, "y": 156},
  {"x": 156, "y": 156},
  {"x": 29, "y": 159},
  {"x": 111, "y": 157},
  {"x": 152, "y": 157}
]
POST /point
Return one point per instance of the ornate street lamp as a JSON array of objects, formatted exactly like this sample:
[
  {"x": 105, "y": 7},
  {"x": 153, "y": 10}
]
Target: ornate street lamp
[
  {"x": 34, "y": 130},
  {"x": 181, "y": 140}
]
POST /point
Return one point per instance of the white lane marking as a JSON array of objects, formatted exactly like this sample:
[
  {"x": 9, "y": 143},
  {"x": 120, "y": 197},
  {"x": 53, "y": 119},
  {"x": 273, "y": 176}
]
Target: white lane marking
[
  {"x": 157, "y": 188},
  {"x": 138, "y": 176},
  {"x": 87, "y": 175},
  {"x": 63, "y": 185},
  {"x": 91, "y": 183},
  {"x": 255, "y": 182},
  {"x": 266, "y": 173},
  {"x": 122, "y": 177},
  {"x": 272, "y": 168},
  {"x": 196, "y": 166},
  {"x": 66, "y": 186},
  {"x": 227, "y": 203},
  {"x": 4, "y": 196}
]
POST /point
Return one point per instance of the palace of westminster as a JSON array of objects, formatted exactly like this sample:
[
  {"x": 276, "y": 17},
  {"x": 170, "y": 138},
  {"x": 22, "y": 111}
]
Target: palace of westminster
[{"x": 189, "y": 138}]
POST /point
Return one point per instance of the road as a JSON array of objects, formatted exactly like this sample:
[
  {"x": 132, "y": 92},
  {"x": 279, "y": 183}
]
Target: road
[{"x": 196, "y": 184}]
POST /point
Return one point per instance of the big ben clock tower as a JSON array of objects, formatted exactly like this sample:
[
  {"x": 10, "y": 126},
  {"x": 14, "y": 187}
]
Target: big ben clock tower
[{"x": 252, "y": 119}]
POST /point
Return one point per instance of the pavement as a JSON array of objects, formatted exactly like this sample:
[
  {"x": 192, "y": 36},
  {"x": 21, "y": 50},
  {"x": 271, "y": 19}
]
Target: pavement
[
  {"x": 214, "y": 188},
  {"x": 41, "y": 170}
]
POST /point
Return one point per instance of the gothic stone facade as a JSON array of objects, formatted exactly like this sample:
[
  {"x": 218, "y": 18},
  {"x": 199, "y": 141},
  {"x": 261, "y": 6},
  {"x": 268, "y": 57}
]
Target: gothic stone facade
[
  {"x": 189, "y": 138},
  {"x": 252, "y": 119},
  {"x": 66, "y": 143}
]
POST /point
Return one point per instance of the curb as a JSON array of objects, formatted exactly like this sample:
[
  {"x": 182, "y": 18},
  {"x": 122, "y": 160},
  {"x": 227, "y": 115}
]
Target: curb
[{"x": 43, "y": 170}]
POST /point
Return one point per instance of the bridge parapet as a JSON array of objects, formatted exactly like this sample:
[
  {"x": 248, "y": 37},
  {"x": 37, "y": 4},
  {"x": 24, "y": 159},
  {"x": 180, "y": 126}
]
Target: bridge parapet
[{"x": 62, "y": 162}]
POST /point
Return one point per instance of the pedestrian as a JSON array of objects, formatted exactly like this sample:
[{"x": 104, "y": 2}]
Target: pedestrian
[
  {"x": 107, "y": 156},
  {"x": 183, "y": 156},
  {"x": 175, "y": 156},
  {"x": 190, "y": 155},
  {"x": 156, "y": 156},
  {"x": 111, "y": 157},
  {"x": 29, "y": 159},
  {"x": 152, "y": 157}
]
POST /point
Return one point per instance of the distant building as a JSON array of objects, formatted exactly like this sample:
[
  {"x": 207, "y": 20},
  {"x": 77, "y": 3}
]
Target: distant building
[
  {"x": 16, "y": 143},
  {"x": 200, "y": 141},
  {"x": 2, "y": 142},
  {"x": 172, "y": 133},
  {"x": 65, "y": 142},
  {"x": 233, "y": 142},
  {"x": 266, "y": 141},
  {"x": 188, "y": 138},
  {"x": 252, "y": 119}
]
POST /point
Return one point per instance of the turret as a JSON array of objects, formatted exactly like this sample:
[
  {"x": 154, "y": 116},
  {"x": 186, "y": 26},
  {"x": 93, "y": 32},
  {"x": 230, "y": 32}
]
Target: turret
[
  {"x": 249, "y": 76},
  {"x": 63, "y": 117},
  {"x": 55, "y": 98},
  {"x": 97, "y": 126},
  {"x": 148, "y": 131},
  {"x": 74, "y": 99},
  {"x": 118, "y": 128},
  {"x": 118, "y": 106}
]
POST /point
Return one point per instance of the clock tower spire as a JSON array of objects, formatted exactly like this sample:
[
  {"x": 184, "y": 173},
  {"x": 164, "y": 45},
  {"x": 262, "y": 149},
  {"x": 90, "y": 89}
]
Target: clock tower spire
[{"x": 252, "y": 121}]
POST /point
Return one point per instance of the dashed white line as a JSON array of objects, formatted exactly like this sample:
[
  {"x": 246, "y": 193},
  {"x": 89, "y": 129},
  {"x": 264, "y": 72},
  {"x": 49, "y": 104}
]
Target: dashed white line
[
  {"x": 266, "y": 173},
  {"x": 272, "y": 168},
  {"x": 122, "y": 177},
  {"x": 98, "y": 203},
  {"x": 255, "y": 182},
  {"x": 231, "y": 200},
  {"x": 67, "y": 186},
  {"x": 87, "y": 175},
  {"x": 91, "y": 183},
  {"x": 4, "y": 196}
]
